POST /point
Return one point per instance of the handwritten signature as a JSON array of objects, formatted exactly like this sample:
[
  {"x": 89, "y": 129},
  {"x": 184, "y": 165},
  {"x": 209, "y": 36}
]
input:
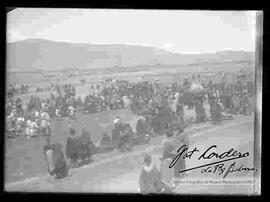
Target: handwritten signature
[{"x": 214, "y": 167}]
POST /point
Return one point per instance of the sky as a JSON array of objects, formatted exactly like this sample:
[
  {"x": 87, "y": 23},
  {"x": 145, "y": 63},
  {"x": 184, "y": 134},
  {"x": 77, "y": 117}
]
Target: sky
[{"x": 180, "y": 31}]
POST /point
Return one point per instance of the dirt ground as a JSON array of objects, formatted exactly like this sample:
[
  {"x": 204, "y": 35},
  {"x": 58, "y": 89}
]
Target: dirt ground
[
  {"x": 24, "y": 157},
  {"x": 109, "y": 174}
]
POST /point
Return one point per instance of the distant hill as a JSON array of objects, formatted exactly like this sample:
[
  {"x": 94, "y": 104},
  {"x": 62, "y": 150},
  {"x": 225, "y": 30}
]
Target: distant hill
[{"x": 40, "y": 54}]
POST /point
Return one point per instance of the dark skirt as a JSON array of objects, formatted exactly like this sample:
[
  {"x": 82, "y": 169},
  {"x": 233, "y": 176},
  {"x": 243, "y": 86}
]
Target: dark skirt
[{"x": 179, "y": 166}]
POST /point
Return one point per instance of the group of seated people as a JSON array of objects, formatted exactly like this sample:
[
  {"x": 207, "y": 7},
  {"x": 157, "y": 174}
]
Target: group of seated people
[
  {"x": 79, "y": 147},
  {"x": 124, "y": 136}
]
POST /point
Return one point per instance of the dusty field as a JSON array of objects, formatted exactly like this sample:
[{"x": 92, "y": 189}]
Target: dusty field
[
  {"x": 168, "y": 73},
  {"x": 109, "y": 174},
  {"x": 24, "y": 158}
]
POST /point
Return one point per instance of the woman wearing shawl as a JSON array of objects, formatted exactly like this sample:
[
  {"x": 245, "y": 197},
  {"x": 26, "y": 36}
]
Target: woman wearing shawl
[
  {"x": 168, "y": 174},
  {"x": 60, "y": 166},
  {"x": 149, "y": 180},
  {"x": 182, "y": 139},
  {"x": 55, "y": 159},
  {"x": 116, "y": 131}
]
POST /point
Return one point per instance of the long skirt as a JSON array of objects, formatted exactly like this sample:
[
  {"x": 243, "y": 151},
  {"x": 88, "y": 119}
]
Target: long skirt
[
  {"x": 50, "y": 162},
  {"x": 179, "y": 166},
  {"x": 27, "y": 131},
  {"x": 33, "y": 132},
  {"x": 166, "y": 173}
]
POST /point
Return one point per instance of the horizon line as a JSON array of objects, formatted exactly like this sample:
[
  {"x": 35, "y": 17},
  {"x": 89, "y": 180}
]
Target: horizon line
[{"x": 133, "y": 44}]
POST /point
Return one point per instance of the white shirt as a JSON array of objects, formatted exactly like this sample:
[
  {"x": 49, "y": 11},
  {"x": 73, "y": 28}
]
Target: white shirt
[
  {"x": 42, "y": 115},
  {"x": 43, "y": 105},
  {"x": 45, "y": 115},
  {"x": 33, "y": 125},
  {"x": 116, "y": 120},
  {"x": 71, "y": 108},
  {"x": 37, "y": 114},
  {"x": 44, "y": 123},
  {"x": 28, "y": 123}
]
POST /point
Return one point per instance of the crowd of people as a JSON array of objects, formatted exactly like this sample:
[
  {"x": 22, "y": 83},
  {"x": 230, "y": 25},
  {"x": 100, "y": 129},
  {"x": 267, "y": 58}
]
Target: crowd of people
[
  {"x": 152, "y": 97},
  {"x": 159, "y": 108}
]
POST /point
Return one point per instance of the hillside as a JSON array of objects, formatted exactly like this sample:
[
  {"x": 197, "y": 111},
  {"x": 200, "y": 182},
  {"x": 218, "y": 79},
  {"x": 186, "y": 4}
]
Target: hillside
[{"x": 34, "y": 54}]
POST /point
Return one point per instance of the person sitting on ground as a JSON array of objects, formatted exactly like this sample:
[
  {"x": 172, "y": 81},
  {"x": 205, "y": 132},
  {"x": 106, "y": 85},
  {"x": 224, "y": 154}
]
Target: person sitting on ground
[
  {"x": 105, "y": 143},
  {"x": 143, "y": 135},
  {"x": 47, "y": 146},
  {"x": 44, "y": 125},
  {"x": 148, "y": 127},
  {"x": 28, "y": 128},
  {"x": 34, "y": 128},
  {"x": 47, "y": 150},
  {"x": 71, "y": 111},
  {"x": 72, "y": 131},
  {"x": 60, "y": 165},
  {"x": 106, "y": 140},
  {"x": 55, "y": 159},
  {"x": 85, "y": 143},
  {"x": 125, "y": 143},
  {"x": 72, "y": 148}
]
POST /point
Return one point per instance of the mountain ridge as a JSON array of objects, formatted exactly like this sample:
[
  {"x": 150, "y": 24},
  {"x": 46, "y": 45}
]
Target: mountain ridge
[{"x": 36, "y": 53}]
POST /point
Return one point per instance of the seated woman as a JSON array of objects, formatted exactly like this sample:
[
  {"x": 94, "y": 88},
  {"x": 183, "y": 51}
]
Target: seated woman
[
  {"x": 143, "y": 135},
  {"x": 106, "y": 140},
  {"x": 55, "y": 160},
  {"x": 60, "y": 166},
  {"x": 34, "y": 127},
  {"x": 105, "y": 143},
  {"x": 125, "y": 143}
]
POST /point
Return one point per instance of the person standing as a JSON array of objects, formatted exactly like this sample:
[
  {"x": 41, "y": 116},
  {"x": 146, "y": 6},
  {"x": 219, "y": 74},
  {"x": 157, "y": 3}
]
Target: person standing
[
  {"x": 28, "y": 128},
  {"x": 149, "y": 179},
  {"x": 47, "y": 150},
  {"x": 199, "y": 109},
  {"x": 105, "y": 143},
  {"x": 71, "y": 111},
  {"x": 182, "y": 139},
  {"x": 116, "y": 131},
  {"x": 33, "y": 128},
  {"x": 180, "y": 112},
  {"x": 168, "y": 174},
  {"x": 72, "y": 148}
]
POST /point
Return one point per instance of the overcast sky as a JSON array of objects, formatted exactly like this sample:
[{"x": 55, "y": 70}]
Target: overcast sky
[{"x": 177, "y": 31}]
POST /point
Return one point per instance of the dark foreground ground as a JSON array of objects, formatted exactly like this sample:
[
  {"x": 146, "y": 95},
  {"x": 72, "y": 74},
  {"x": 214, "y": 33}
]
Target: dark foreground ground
[
  {"x": 117, "y": 172},
  {"x": 24, "y": 157}
]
